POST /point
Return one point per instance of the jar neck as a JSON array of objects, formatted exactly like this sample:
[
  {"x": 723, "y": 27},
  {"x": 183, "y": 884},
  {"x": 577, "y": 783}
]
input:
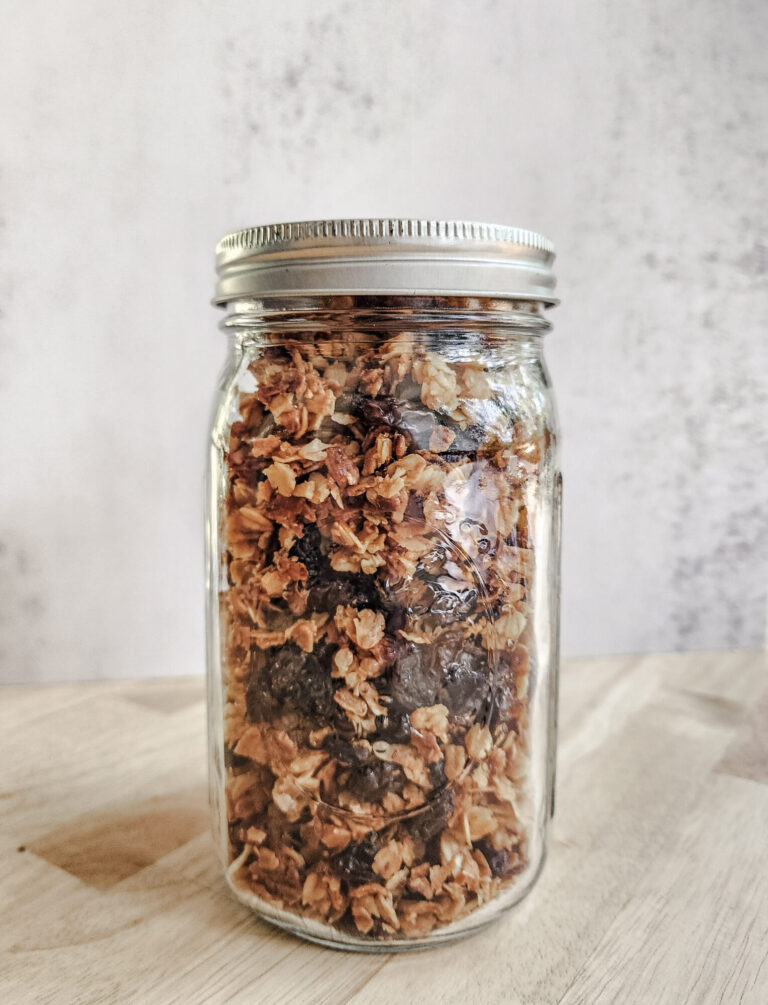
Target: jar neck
[{"x": 376, "y": 318}]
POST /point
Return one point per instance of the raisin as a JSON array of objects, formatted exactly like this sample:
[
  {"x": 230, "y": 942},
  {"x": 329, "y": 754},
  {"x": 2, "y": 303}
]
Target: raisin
[
  {"x": 302, "y": 681},
  {"x": 415, "y": 678},
  {"x": 395, "y": 727},
  {"x": 379, "y": 410},
  {"x": 414, "y": 509},
  {"x": 419, "y": 422},
  {"x": 437, "y": 774},
  {"x": 233, "y": 760},
  {"x": 259, "y": 702},
  {"x": 464, "y": 688},
  {"x": 308, "y": 550},
  {"x": 395, "y": 618},
  {"x": 433, "y": 819},
  {"x": 346, "y": 751},
  {"x": 464, "y": 673},
  {"x": 499, "y": 861},
  {"x": 355, "y": 863},
  {"x": 453, "y": 670},
  {"x": 350, "y": 590},
  {"x": 376, "y": 779}
]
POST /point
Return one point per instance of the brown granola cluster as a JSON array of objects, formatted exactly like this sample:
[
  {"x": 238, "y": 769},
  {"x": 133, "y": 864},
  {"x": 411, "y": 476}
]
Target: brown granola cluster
[{"x": 376, "y": 633}]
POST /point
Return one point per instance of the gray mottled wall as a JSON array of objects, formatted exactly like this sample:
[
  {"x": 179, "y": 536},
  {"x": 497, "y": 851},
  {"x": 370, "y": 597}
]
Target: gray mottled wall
[{"x": 634, "y": 134}]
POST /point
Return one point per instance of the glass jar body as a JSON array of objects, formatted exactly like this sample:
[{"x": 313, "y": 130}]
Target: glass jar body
[{"x": 383, "y": 560}]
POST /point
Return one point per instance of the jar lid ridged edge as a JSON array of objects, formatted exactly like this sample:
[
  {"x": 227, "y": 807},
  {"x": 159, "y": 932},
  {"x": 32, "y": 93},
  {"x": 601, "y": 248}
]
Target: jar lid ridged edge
[
  {"x": 385, "y": 255},
  {"x": 381, "y": 228}
]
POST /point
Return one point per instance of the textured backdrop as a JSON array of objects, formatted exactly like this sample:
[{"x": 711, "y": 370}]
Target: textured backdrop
[{"x": 133, "y": 135}]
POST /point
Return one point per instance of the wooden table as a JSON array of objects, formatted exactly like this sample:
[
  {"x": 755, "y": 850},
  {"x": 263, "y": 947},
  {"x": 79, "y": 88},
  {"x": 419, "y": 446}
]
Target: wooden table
[{"x": 656, "y": 888}]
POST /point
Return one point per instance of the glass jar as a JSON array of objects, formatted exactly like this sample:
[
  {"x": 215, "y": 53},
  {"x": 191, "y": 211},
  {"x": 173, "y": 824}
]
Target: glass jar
[{"x": 383, "y": 560}]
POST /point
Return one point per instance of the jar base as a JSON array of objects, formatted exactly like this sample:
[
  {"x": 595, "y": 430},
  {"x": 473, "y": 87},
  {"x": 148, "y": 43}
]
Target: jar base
[{"x": 331, "y": 938}]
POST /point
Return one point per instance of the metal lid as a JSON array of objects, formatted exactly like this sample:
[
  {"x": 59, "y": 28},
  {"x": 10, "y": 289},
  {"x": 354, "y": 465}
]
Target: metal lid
[{"x": 385, "y": 256}]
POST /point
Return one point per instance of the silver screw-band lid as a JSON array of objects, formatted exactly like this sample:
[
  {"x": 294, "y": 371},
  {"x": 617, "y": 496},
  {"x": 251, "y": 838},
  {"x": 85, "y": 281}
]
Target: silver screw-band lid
[{"x": 385, "y": 256}]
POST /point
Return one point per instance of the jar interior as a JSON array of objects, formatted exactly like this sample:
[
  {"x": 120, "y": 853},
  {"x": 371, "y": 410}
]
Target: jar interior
[{"x": 382, "y": 513}]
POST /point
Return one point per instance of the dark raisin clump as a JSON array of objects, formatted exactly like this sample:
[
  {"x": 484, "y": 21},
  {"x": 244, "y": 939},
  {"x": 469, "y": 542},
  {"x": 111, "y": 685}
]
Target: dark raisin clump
[
  {"x": 452, "y": 671},
  {"x": 445, "y": 600},
  {"x": 499, "y": 861},
  {"x": 433, "y": 819},
  {"x": 464, "y": 674},
  {"x": 259, "y": 702},
  {"x": 418, "y": 422},
  {"x": 233, "y": 760},
  {"x": 394, "y": 727},
  {"x": 355, "y": 863},
  {"x": 375, "y": 779},
  {"x": 414, "y": 509},
  {"x": 307, "y": 549},
  {"x": 380, "y": 410},
  {"x": 302, "y": 681},
  {"x": 272, "y": 546},
  {"x": 395, "y": 618},
  {"x": 437, "y": 774},
  {"x": 415, "y": 678},
  {"x": 346, "y": 751},
  {"x": 350, "y": 590}
]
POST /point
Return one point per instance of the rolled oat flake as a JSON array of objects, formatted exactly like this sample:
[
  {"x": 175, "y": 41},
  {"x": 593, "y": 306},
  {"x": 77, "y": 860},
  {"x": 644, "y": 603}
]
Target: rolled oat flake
[{"x": 383, "y": 568}]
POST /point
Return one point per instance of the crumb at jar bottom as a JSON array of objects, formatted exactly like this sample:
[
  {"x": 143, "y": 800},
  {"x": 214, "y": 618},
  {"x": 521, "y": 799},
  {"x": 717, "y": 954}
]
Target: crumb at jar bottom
[{"x": 508, "y": 896}]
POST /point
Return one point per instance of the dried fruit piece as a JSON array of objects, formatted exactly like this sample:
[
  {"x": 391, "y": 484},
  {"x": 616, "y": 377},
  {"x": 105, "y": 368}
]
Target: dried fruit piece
[
  {"x": 414, "y": 679},
  {"x": 355, "y": 863},
  {"x": 302, "y": 681},
  {"x": 373, "y": 780},
  {"x": 308, "y": 551},
  {"x": 347, "y": 751},
  {"x": 500, "y": 861},
  {"x": 346, "y": 590},
  {"x": 429, "y": 822},
  {"x": 395, "y": 727}
]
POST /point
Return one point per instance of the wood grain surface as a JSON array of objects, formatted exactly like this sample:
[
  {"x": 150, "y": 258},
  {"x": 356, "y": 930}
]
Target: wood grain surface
[{"x": 656, "y": 888}]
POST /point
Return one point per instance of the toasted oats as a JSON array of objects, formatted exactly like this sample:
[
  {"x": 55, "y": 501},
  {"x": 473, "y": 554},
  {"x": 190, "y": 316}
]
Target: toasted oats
[
  {"x": 455, "y": 759},
  {"x": 414, "y": 765},
  {"x": 433, "y": 718},
  {"x": 281, "y": 477},
  {"x": 251, "y": 744},
  {"x": 362, "y": 912},
  {"x": 303, "y": 634},
  {"x": 478, "y": 741},
  {"x": 368, "y": 629},
  {"x": 366, "y": 527},
  {"x": 335, "y": 838},
  {"x": 439, "y": 389},
  {"x": 343, "y": 662},
  {"x": 354, "y": 706},
  {"x": 388, "y": 860}
]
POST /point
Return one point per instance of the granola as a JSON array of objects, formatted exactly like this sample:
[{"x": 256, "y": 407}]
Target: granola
[{"x": 377, "y": 632}]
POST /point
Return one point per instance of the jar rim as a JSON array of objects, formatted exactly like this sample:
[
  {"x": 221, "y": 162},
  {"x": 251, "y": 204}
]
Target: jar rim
[{"x": 385, "y": 256}]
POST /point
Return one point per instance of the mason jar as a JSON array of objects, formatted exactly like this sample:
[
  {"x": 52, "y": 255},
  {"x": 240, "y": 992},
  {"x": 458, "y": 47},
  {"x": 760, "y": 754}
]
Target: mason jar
[{"x": 383, "y": 563}]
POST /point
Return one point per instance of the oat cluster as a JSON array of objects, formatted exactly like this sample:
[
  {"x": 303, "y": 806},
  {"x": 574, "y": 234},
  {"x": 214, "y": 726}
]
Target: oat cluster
[{"x": 376, "y": 632}]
